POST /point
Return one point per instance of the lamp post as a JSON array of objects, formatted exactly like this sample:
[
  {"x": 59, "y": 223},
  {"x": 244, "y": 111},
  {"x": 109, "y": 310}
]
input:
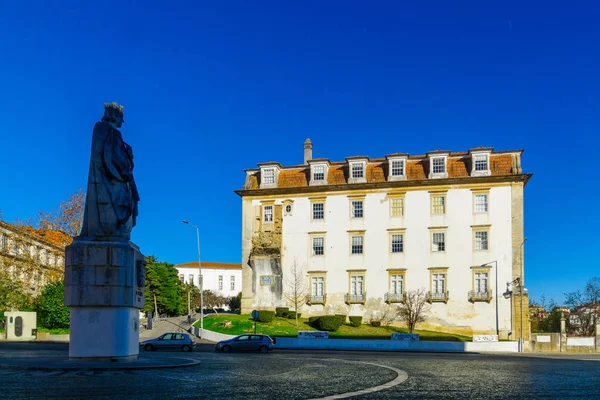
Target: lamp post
[
  {"x": 200, "y": 280},
  {"x": 496, "y": 267},
  {"x": 522, "y": 285},
  {"x": 507, "y": 296}
]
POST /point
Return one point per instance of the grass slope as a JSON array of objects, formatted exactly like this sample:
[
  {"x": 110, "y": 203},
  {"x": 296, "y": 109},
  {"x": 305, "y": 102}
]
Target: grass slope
[{"x": 283, "y": 327}]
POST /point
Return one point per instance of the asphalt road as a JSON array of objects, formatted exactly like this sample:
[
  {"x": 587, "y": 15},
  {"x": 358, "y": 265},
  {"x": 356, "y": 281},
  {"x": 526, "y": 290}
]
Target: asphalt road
[{"x": 313, "y": 374}]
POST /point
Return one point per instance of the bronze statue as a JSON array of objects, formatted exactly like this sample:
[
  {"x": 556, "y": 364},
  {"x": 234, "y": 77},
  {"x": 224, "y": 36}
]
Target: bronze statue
[{"x": 112, "y": 197}]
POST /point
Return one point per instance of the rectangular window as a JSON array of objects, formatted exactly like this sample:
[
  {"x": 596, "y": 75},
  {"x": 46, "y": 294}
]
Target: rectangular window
[
  {"x": 356, "y": 285},
  {"x": 3, "y": 240},
  {"x": 481, "y": 162},
  {"x": 268, "y": 214},
  {"x": 438, "y": 241},
  {"x": 318, "y": 210},
  {"x": 481, "y": 240},
  {"x": 397, "y": 243},
  {"x": 438, "y": 284},
  {"x": 397, "y": 168},
  {"x": 357, "y": 208},
  {"x": 439, "y": 165},
  {"x": 438, "y": 205},
  {"x": 317, "y": 286},
  {"x": 358, "y": 170},
  {"x": 182, "y": 278},
  {"x": 397, "y": 207},
  {"x": 269, "y": 176},
  {"x": 191, "y": 279},
  {"x": 357, "y": 244},
  {"x": 232, "y": 283},
  {"x": 318, "y": 246},
  {"x": 319, "y": 173},
  {"x": 481, "y": 282},
  {"x": 481, "y": 203},
  {"x": 220, "y": 282},
  {"x": 397, "y": 284}
]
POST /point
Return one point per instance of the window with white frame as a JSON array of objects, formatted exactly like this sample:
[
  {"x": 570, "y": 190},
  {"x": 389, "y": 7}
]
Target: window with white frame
[
  {"x": 397, "y": 206},
  {"x": 439, "y": 165},
  {"x": 269, "y": 176},
  {"x": 438, "y": 205},
  {"x": 438, "y": 283},
  {"x": 481, "y": 202},
  {"x": 397, "y": 243},
  {"x": 317, "y": 286},
  {"x": 438, "y": 241},
  {"x": 319, "y": 173},
  {"x": 232, "y": 283},
  {"x": 182, "y": 278},
  {"x": 268, "y": 214},
  {"x": 318, "y": 210},
  {"x": 481, "y": 282},
  {"x": 191, "y": 279},
  {"x": 318, "y": 244},
  {"x": 481, "y": 162},
  {"x": 220, "y": 282},
  {"x": 481, "y": 240},
  {"x": 397, "y": 167},
  {"x": 357, "y": 208},
  {"x": 356, "y": 285},
  {"x": 357, "y": 244},
  {"x": 396, "y": 284},
  {"x": 358, "y": 170}
]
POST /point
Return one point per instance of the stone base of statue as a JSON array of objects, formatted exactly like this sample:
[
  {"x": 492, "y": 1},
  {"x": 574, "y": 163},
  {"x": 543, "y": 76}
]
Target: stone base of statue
[{"x": 104, "y": 287}]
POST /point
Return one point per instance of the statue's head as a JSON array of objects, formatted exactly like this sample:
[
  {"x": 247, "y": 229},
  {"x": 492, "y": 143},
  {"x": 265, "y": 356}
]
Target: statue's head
[{"x": 113, "y": 114}]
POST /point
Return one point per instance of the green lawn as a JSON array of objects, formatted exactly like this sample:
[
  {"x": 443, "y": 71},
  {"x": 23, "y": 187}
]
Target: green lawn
[
  {"x": 56, "y": 331},
  {"x": 283, "y": 327}
]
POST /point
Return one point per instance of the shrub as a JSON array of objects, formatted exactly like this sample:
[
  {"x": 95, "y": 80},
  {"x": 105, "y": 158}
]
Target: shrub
[
  {"x": 329, "y": 323},
  {"x": 265, "y": 316},
  {"x": 279, "y": 311},
  {"x": 355, "y": 320},
  {"x": 292, "y": 315},
  {"x": 314, "y": 321},
  {"x": 342, "y": 316},
  {"x": 376, "y": 324},
  {"x": 52, "y": 312}
]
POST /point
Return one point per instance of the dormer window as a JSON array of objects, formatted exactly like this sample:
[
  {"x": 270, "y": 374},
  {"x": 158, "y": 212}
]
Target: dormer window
[
  {"x": 269, "y": 173},
  {"x": 358, "y": 170},
  {"x": 439, "y": 165},
  {"x": 269, "y": 176},
  {"x": 319, "y": 173},
  {"x": 480, "y": 162},
  {"x": 397, "y": 168}
]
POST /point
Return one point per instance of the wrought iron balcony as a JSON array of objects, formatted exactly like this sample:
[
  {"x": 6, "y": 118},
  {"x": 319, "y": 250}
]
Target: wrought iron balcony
[
  {"x": 310, "y": 300},
  {"x": 355, "y": 298},
  {"x": 480, "y": 296},
  {"x": 438, "y": 297},
  {"x": 395, "y": 297}
]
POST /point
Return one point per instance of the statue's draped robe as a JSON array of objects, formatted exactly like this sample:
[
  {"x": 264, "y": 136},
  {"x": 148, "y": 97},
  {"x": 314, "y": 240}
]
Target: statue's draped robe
[{"x": 112, "y": 197}]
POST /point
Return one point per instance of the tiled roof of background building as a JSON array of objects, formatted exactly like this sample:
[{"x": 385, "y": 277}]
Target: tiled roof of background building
[{"x": 209, "y": 265}]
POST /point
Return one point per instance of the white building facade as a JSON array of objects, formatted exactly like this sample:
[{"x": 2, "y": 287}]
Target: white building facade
[
  {"x": 365, "y": 231},
  {"x": 222, "y": 278}
]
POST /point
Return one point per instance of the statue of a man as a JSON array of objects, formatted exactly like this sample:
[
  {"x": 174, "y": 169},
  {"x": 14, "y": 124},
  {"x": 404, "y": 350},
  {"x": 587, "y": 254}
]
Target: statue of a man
[{"x": 112, "y": 197}]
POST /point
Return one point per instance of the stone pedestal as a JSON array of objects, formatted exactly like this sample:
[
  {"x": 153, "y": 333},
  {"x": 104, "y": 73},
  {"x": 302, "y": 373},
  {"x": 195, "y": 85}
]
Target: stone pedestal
[{"x": 104, "y": 287}]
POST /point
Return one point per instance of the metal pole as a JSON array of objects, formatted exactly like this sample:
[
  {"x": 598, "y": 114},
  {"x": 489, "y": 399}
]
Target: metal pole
[
  {"x": 522, "y": 284},
  {"x": 200, "y": 280},
  {"x": 497, "y": 326}
]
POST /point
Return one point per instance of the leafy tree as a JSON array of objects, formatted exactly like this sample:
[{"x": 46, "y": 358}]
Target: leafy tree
[
  {"x": 13, "y": 294},
  {"x": 163, "y": 288},
  {"x": 235, "y": 302},
  {"x": 213, "y": 299},
  {"x": 415, "y": 308},
  {"x": 52, "y": 312},
  {"x": 194, "y": 292},
  {"x": 551, "y": 324}
]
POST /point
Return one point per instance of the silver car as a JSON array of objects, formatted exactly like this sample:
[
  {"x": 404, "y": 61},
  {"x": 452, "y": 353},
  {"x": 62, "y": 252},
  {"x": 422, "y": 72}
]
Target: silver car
[
  {"x": 262, "y": 343},
  {"x": 171, "y": 341}
]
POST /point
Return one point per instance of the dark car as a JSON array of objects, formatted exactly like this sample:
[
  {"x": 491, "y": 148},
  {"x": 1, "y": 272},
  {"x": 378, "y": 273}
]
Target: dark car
[
  {"x": 262, "y": 343},
  {"x": 171, "y": 341}
]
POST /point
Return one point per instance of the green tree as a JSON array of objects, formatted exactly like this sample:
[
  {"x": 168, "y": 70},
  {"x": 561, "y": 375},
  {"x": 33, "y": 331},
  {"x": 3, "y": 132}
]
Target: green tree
[
  {"x": 235, "y": 303},
  {"x": 13, "y": 294},
  {"x": 162, "y": 284},
  {"x": 52, "y": 312},
  {"x": 194, "y": 292}
]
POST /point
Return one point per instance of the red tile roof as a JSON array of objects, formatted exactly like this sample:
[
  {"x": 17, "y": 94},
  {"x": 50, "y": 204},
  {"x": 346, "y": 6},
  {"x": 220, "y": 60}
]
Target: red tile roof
[{"x": 209, "y": 265}]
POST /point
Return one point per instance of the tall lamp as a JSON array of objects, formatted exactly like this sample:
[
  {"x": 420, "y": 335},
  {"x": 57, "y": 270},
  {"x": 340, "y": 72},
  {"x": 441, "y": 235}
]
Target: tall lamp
[{"x": 200, "y": 283}]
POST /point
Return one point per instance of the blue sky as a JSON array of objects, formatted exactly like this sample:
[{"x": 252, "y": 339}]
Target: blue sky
[{"x": 212, "y": 88}]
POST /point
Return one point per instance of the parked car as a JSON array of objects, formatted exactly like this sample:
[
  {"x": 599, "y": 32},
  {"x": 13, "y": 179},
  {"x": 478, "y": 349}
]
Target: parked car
[
  {"x": 262, "y": 343},
  {"x": 171, "y": 340}
]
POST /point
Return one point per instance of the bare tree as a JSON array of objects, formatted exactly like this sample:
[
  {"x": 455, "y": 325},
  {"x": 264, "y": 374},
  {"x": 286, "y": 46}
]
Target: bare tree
[
  {"x": 586, "y": 305},
  {"x": 68, "y": 218},
  {"x": 415, "y": 308},
  {"x": 296, "y": 289}
]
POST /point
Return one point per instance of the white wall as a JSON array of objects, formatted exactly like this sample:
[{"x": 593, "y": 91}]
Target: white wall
[
  {"x": 211, "y": 279},
  {"x": 459, "y": 256}
]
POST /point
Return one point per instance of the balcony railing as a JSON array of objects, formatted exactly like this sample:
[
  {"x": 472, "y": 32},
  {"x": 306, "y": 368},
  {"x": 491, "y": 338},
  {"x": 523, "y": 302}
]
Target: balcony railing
[
  {"x": 355, "y": 298},
  {"x": 395, "y": 297},
  {"x": 438, "y": 297},
  {"x": 480, "y": 296},
  {"x": 310, "y": 300}
]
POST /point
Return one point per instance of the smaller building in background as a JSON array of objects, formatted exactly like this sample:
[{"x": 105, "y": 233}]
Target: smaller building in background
[{"x": 222, "y": 278}]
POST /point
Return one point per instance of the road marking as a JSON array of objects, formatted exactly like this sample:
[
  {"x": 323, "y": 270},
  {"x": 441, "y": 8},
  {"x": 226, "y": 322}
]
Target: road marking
[{"x": 400, "y": 378}]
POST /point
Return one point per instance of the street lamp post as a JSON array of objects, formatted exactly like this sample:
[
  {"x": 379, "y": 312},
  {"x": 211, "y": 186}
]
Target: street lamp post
[
  {"x": 496, "y": 267},
  {"x": 507, "y": 295},
  {"x": 200, "y": 280},
  {"x": 522, "y": 286}
]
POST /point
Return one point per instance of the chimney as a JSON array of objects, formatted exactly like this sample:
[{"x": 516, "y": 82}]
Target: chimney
[{"x": 307, "y": 150}]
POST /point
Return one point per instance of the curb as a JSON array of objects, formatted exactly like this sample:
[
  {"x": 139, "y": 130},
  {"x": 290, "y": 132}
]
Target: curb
[{"x": 190, "y": 363}]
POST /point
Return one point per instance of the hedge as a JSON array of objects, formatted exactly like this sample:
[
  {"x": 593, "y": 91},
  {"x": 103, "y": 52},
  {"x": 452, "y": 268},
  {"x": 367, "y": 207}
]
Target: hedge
[
  {"x": 280, "y": 310},
  {"x": 376, "y": 324},
  {"x": 265, "y": 316},
  {"x": 329, "y": 323},
  {"x": 313, "y": 321},
  {"x": 292, "y": 315},
  {"x": 355, "y": 320},
  {"x": 342, "y": 316}
]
